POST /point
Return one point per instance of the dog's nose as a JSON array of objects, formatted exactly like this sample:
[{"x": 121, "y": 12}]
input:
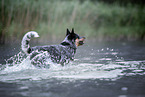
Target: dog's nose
[{"x": 83, "y": 37}]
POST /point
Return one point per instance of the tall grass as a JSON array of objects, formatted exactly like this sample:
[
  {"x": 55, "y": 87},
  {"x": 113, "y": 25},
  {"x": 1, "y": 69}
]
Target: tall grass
[{"x": 50, "y": 18}]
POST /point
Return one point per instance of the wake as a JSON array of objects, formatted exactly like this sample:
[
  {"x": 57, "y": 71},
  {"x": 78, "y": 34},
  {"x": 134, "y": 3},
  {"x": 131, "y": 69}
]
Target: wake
[{"x": 20, "y": 67}]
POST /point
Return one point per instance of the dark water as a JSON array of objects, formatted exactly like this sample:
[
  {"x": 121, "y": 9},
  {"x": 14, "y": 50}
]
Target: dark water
[{"x": 99, "y": 70}]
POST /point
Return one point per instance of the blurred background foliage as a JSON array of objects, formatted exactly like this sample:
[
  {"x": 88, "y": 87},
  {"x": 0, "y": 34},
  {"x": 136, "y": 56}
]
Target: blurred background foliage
[{"x": 97, "y": 20}]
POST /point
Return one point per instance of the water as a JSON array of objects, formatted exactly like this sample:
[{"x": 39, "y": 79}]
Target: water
[{"x": 99, "y": 70}]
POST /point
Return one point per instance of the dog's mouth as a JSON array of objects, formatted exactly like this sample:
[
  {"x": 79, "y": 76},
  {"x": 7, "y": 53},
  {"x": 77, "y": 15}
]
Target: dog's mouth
[{"x": 80, "y": 41}]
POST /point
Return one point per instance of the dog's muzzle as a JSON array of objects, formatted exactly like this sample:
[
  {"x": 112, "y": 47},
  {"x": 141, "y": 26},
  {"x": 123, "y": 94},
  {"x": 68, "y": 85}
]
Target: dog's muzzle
[{"x": 81, "y": 40}]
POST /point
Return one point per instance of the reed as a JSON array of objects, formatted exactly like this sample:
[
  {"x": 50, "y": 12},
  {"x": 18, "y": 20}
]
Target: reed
[{"x": 50, "y": 18}]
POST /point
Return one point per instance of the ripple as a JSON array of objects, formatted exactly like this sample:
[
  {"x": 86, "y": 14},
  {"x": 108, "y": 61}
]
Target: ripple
[{"x": 89, "y": 68}]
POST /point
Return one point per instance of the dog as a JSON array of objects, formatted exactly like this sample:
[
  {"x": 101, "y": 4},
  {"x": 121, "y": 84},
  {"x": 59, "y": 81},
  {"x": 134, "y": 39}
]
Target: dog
[{"x": 60, "y": 54}]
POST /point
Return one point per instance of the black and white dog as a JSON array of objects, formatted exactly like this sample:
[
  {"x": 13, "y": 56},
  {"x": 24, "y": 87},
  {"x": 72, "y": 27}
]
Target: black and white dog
[{"x": 60, "y": 54}]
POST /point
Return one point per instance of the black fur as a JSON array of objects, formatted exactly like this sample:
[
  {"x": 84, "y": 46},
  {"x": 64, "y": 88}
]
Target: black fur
[{"x": 62, "y": 53}]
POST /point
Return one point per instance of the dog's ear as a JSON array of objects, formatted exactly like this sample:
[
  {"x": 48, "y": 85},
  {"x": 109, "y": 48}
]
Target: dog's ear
[
  {"x": 72, "y": 31},
  {"x": 67, "y": 32}
]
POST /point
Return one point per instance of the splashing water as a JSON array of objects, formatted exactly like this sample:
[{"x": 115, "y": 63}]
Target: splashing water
[
  {"x": 115, "y": 70},
  {"x": 100, "y": 64}
]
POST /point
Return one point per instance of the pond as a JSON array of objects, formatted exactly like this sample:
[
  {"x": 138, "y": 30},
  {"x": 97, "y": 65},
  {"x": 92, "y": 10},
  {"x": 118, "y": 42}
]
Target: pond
[{"x": 115, "y": 69}]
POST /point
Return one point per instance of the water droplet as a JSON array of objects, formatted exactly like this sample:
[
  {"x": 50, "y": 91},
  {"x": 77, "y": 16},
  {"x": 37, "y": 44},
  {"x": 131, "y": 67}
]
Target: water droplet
[
  {"x": 111, "y": 50},
  {"x": 24, "y": 88},
  {"x": 107, "y": 48},
  {"x": 122, "y": 96},
  {"x": 124, "y": 88}
]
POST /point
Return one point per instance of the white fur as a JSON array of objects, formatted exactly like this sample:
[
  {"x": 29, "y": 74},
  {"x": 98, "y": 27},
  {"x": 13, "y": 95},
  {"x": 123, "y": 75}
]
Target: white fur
[{"x": 30, "y": 34}]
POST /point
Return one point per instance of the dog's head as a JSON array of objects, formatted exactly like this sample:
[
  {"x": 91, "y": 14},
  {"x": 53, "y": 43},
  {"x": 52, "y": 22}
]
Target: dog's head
[{"x": 74, "y": 38}]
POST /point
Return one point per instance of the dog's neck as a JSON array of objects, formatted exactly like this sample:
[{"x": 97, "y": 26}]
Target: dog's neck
[{"x": 68, "y": 43}]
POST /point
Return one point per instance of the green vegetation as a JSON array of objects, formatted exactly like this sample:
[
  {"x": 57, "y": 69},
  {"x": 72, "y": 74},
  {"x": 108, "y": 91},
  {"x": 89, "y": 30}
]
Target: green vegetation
[{"x": 96, "y": 20}]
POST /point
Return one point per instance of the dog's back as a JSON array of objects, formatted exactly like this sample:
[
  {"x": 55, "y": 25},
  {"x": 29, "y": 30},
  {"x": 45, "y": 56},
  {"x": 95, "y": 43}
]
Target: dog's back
[{"x": 58, "y": 53}]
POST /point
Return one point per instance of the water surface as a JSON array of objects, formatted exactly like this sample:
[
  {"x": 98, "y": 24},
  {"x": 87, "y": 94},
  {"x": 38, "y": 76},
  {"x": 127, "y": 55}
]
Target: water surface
[{"x": 99, "y": 70}]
